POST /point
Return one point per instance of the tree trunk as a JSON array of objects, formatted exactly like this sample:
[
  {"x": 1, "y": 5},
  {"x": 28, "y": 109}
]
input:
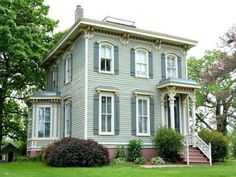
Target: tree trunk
[{"x": 221, "y": 118}]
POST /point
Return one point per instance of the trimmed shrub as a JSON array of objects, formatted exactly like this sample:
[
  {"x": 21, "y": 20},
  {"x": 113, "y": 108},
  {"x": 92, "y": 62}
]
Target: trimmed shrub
[
  {"x": 134, "y": 149},
  {"x": 157, "y": 161},
  {"x": 119, "y": 161},
  {"x": 70, "y": 152},
  {"x": 140, "y": 161},
  {"x": 233, "y": 144},
  {"x": 120, "y": 152},
  {"x": 21, "y": 159},
  {"x": 168, "y": 143},
  {"x": 219, "y": 144}
]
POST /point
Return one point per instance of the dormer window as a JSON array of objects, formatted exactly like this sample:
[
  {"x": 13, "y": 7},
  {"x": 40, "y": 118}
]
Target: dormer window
[
  {"x": 106, "y": 58},
  {"x": 171, "y": 66},
  {"x": 141, "y": 62}
]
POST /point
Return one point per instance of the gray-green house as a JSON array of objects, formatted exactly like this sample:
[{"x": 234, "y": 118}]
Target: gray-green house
[{"x": 112, "y": 82}]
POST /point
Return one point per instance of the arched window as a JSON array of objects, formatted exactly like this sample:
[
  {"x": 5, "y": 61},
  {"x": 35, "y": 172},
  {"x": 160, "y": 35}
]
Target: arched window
[
  {"x": 141, "y": 63},
  {"x": 106, "y": 58},
  {"x": 171, "y": 66}
]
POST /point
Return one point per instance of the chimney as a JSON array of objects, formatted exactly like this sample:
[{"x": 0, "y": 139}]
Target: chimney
[{"x": 79, "y": 13}]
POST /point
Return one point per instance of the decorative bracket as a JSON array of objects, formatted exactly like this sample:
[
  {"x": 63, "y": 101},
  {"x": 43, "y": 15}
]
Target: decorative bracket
[
  {"x": 125, "y": 39},
  {"x": 88, "y": 32},
  {"x": 157, "y": 44}
]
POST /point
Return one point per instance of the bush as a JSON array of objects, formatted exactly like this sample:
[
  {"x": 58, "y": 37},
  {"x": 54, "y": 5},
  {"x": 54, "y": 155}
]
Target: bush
[
  {"x": 157, "y": 161},
  {"x": 21, "y": 159},
  {"x": 219, "y": 144},
  {"x": 134, "y": 149},
  {"x": 70, "y": 152},
  {"x": 140, "y": 161},
  {"x": 120, "y": 152},
  {"x": 119, "y": 161},
  {"x": 233, "y": 144},
  {"x": 168, "y": 143}
]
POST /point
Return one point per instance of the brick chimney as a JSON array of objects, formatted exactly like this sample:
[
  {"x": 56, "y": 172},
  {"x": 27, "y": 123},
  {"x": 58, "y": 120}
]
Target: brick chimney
[{"x": 79, "y": 13}]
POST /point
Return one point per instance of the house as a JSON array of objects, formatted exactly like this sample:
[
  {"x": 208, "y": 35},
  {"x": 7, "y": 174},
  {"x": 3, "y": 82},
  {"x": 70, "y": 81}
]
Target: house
[
  {"x": 112, "y": 82},
  {"x": 9, "y": 152}
]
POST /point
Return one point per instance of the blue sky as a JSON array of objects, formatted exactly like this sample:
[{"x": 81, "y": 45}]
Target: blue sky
[{"x": 202, "y": 20}]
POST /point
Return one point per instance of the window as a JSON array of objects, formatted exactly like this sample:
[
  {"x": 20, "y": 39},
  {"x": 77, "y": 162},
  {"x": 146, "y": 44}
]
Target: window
[
  {"x": 143, "y": 116},
  {"x": 106, "y": 114},
  {"x": 106, "y": 58},
  {"x": 67, "y": 118},
  {"x": 44, "y": 121},
  {"x": 141, "y": 60},
  {"x": 68, "y": 68},
  {"x": 54, "y": 78},
  {"x": 171, "y": 66},
  {"x": 30, "y": 122}
]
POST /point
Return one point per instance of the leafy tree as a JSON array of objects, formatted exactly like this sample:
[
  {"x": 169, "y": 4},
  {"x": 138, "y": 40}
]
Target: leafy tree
[
  {"x": 25, "y": 32},
  {"x": 217, "y": 94}
]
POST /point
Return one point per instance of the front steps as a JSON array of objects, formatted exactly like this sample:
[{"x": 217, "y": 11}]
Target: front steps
[{"x": 195, "y": 157}]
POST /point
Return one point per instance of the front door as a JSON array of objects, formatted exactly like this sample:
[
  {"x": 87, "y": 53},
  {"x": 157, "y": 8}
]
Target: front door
[{"x": 176, "y": 113}]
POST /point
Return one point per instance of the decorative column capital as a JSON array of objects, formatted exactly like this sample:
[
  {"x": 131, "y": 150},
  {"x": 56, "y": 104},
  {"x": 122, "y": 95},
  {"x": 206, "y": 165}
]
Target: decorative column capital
[{"x": 171, "y": 93}]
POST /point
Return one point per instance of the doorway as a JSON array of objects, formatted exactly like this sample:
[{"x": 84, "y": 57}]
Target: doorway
[
  {"x": 10, "y": 156},
  {"x": 176, "y": 114}
]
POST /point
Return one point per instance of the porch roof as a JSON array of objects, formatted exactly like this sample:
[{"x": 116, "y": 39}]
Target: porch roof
[
  {"x": 44, "y": 96},
  {"x": 178, "y": 82}
]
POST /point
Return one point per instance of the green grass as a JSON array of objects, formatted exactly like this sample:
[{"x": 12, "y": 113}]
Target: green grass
[{"x": 38, "y": 169}]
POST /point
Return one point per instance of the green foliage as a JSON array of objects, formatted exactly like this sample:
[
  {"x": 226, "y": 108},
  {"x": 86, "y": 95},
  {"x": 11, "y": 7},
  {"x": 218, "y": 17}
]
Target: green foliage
[
  {"x": 70, "y": 152},
  {"x": 21, "y": 159},
  {"x": 168, "y": 143},
  {"x": 140, "y": 161},
  {"x": 219, "y": 144},
  {"x": 233, "y": 144},
  {"x": 134, "y": 149},
  {"x": 157, "y": 161},
  {"x": 119, "y": 161},
  {"x": 120, "y": 152}
]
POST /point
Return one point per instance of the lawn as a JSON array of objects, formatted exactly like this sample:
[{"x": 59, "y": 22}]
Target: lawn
[{"x": 37, "y": 169}]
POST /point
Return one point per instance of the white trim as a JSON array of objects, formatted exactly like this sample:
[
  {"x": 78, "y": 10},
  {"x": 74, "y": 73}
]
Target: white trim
[
  {"x": 176, "y": 64},
  {"x": 66, "y": 103},
  {"x": 112, "y": 114},
  {"x": 147, "y": 64},
  {"x": 136, "y": 93},
  {"x": 107, "y": 41},
  {"x": 148, "y": 115},
  {"x": 142, "y": 48},
  {"x": 51, "y": 117},
  {"x": 106, "y": 90},
  {"x": 112, "y": 57},
  {"x": 179, "y": 85},
  {"x": 86, "y": 90},
  {"x": 67, "y": 75}
]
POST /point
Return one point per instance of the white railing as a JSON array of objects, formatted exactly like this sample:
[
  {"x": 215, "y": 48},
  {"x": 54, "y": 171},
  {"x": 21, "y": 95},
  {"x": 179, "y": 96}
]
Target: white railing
[
  {"x": 196, "y": 141},
  {"x": 185, "y": 151}
]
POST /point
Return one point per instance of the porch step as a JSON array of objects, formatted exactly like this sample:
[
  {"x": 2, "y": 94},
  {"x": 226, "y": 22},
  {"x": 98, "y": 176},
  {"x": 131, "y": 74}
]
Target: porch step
[{"x": 195, "y": 157}]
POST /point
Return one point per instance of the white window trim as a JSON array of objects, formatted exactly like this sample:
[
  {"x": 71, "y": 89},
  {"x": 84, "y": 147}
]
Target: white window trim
[
  {"x": 51, "y": 117},
  {"x": 67, "y": 102},
  {"x": 68, "y": 79},
  {"x": 141, "y": 76},
  {"x": 176, "y": 64},
  {"x": 112, "y": 58},
  {"x": 137, "y": 116},
  {"x": 112, "y": 111}
]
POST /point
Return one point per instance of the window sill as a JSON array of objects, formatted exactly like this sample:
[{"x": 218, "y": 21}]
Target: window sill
[
  {"x": 106, "y": 134},
  {"x": 67, "y": 83},
  {"x": 143, "y": 135},
  {"x": 105, "y": 72},
  {"x": 142, "y": 77}
]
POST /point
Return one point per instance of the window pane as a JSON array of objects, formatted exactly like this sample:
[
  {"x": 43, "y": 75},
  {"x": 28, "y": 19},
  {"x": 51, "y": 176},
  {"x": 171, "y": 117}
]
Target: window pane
[
  {"x": 102, "y": 51},
  {"x": 103, "y": 104},
  {"x": 140, "y": 107},
  {"x": 67, "y": 127},
  {"x": 41, "y": 114},
  {"x": 108, "y": 65},
  {"x": 140, "y": 124},
  {"x": 145, "y": 125},
  {"x": 145, "y": 107},
  {"x": 103, "y": 64},
  {"x": 47, "y": 114},
  {"x": 108, "y": 123},
  {"x": 109, "y": 105},
  {"x": 108, "y": 52},
  {"x": 103, "y": 123},
  {"x": 47, "y": 130}
]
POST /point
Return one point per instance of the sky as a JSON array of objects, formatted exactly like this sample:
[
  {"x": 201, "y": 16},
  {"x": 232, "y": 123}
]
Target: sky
[{"x": 201, "y": 20}]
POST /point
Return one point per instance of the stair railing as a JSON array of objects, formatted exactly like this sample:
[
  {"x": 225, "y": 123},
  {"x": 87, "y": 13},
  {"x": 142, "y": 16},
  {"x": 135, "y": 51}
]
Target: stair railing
[
  {"x": 185, "y": 151},
  {"x": 196, "y": 141}
]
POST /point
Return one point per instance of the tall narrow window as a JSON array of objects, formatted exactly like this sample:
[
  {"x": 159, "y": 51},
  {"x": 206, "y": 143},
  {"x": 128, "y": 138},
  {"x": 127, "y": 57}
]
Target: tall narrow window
[
  {"x": 171, "y": 66},
  {"x": 68, "y": 68},
  {"x": 143, "y": 116},
  {"x": 106, "y": 58},
  {"x": 44, "y": 121},
  {"x": 54, "y": 78},
  {"x": 30, "y": 122},
  {"x": 141, "y": 60},
  {"x": 67, "y": 118},
  {"x": 106, "y": 114}
]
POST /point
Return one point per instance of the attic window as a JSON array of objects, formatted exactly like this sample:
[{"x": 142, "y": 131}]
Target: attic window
[{"x": 120, "y": 21}]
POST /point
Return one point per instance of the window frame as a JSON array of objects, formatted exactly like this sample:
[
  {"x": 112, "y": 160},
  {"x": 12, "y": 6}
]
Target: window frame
[
  {"x": 67, "y": 102},
  {"x": 112, "y": 113},
  {"x": 54, "y": 78},
  {"x": 112, "y": 57},
  {"x": 68, "y": 73},
  {"x": 37, "y": 121},
  {"x": 147, "y": 98},
  {"x": 147, "y": 64},
  {"x": 176, "y": 65}
]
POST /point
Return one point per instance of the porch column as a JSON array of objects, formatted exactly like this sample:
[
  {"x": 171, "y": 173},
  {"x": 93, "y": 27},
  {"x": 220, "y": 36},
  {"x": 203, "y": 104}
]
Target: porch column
[
  {"x": 162, "y": 96},
  {"x": 194, "y": 116},
  {"x": 184, "y": 124},
  {"x": 172, "y": 94}
]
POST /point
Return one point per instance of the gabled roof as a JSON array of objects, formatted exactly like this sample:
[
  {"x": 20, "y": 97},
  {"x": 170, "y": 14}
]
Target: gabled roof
[{"x": 77, "y": 29}]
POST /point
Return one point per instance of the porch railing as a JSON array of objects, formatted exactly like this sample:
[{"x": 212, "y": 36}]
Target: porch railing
[
  {"x": 196, "y": 141},
  {"x": 185, "y": 151}
]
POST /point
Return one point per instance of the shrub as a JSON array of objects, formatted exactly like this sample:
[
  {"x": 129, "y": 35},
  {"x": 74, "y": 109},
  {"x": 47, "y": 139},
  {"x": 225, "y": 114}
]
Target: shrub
[
  {"x": 120, "y": 152},
  {"x": 233, "y": 144},
  {"x": 219, "y": 143},
  {"x": 140, "y": 161},
  {"x": 157, "y": 161},
  {"x": 119, "y": 161},
  {"x": 21, "y": 159},
  {"x": 70, "y": 152},
  {"x": 168, "y": 143},
  {"x": 134, "y": 149}
]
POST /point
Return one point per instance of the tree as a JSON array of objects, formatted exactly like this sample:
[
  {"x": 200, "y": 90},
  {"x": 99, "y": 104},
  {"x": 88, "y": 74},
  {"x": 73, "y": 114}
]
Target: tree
[
  {"x": 25, "y": 32},
  {"x": 217, "y": 94}
]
